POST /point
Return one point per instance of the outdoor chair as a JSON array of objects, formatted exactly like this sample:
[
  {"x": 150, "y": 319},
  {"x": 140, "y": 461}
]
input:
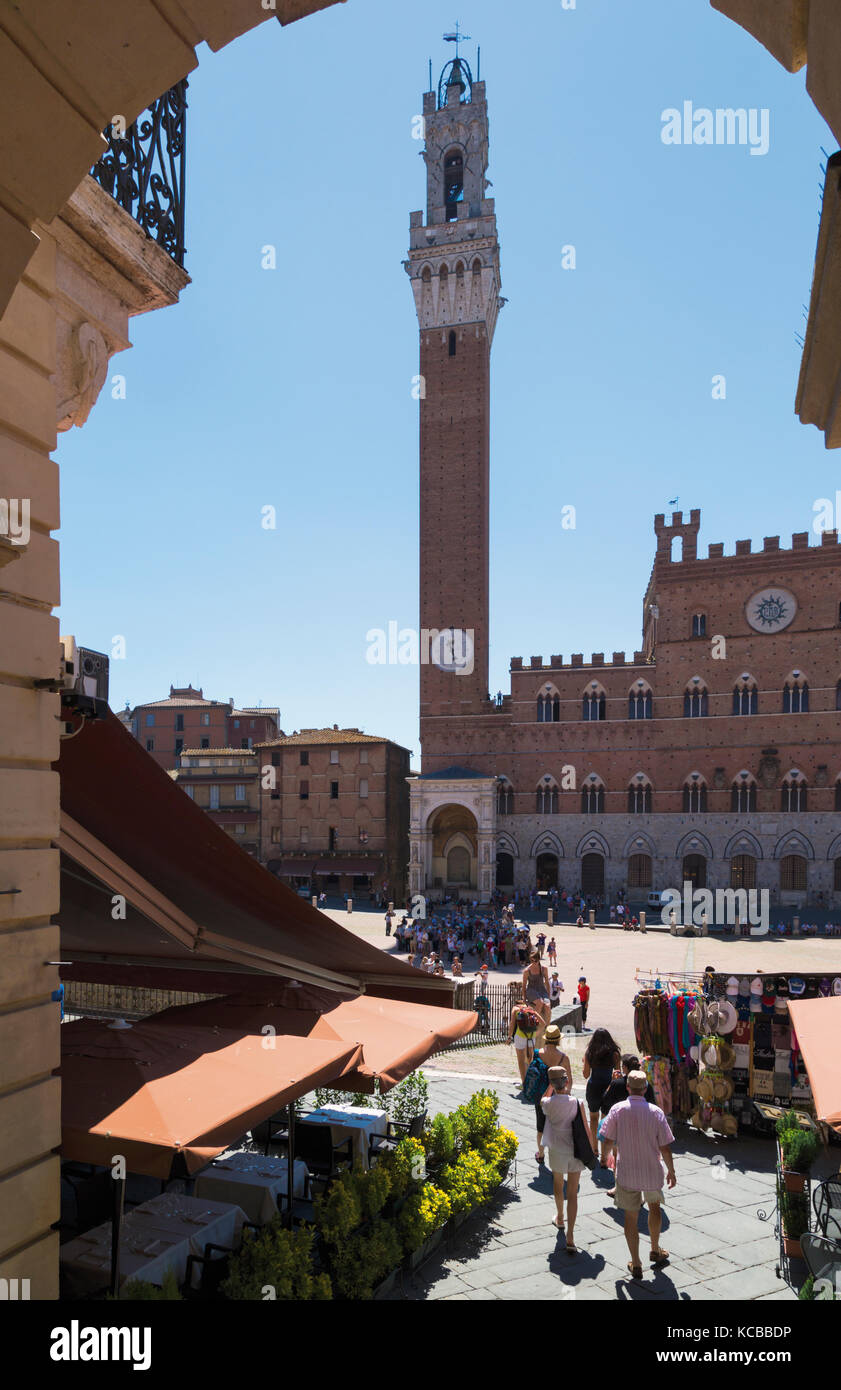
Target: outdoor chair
[
  {"x": 396, "y": 1130},
  {"x": 273, "y": 1131},
  {"x": 325, "y": 1161},
  {"x": 826, "y": 1199},
  {"x": 822, "y": 1257},
  {"x": 214, "y": 1269}
]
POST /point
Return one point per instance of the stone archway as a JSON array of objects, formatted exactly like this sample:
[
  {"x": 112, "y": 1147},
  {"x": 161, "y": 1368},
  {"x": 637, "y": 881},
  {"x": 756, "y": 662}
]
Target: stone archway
[
  {"x": 546, "y": 871},
  {"x": 592, "y": 874},
  {"x": 454, "y": 849}
]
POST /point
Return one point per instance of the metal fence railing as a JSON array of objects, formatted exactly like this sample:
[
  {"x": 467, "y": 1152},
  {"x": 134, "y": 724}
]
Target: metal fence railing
[
  {"x": 492, "y": 1026},
  {"x": 85, "y": 1000}
]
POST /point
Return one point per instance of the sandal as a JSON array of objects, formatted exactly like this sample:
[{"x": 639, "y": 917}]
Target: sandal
[
  {"x": 572, "y": 1249},
  {"x": 559, "y": 1225},
  {"x": 659, "y": 1257},
  {"x": 636, "y": 1270}
]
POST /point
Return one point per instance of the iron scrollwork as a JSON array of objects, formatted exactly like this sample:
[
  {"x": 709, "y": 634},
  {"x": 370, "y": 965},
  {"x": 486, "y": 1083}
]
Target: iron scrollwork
[{"x": 143, "y": 169}]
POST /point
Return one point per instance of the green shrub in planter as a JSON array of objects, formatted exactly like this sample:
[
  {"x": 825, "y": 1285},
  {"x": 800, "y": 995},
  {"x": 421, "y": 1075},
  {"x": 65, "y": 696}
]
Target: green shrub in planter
[
  {"x": 372, "y": 1187},
  {"x": 469, "y": 1181},
  {"x": 500, "y": 1148},
  {"x": 439, "y": 1139},
  {"x": 338, "y": 1211},
  {"x": 481, "y": 1117},
  {"x": 409, "y": 1098},
  {"x": 138, "y": 1291},
  {"x": 794, "y": 1212},
  {"x": 405, "y": 1167},
  {"x": 364, "y": 1260},
  {"x": 276, "y": 1260},
  {"x": 425, "y": 1212},
  {"x": 799, "y": 1149},
  {"x": 786, "y": 1122}
]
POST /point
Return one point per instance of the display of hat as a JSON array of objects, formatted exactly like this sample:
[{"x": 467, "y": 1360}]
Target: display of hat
[
  {"x": 732, "y": 985},
  {"x": 756, "y": 985},
  {"x": 836, "y": 985},
  {"x": 726, "y": 1017},
  {"x": 744, "y": 985},
  {"x": 781, "y": 1007},
  {"x": 706, "y": 1088},
  {"x": 722, "y": 1088},
  {"x": 695, "y": 1052},
  {"x": 824, "y": 987},
  {"x": 782, "y": 984},
  {"x": 729, "y": 1125},
  {"x": 769, "y": 985},
  {"x": 727, "y": 1056},
  {"x": 710, "y": 1053},
  {"x": 811, "y": 989},
  {"x": 698, "y": 1017},
  {"x": 796, "y": 986},
  {"x": 768, "y": 1002},
  {"x": 696, "y": 1120},
  {"x": 755, "y": 1004}
]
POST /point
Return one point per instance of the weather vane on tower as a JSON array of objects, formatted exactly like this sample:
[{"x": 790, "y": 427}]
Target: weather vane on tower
[{"x": 455, "y": 36}]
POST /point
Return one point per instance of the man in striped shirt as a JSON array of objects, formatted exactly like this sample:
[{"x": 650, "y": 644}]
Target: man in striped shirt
[{"x": 640, "y": 1134}]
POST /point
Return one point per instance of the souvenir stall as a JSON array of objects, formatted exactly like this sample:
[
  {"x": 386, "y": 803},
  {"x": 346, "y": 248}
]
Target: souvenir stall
[
  {"x": 686, "y": 1059},
  {"x": 769, "y": 1071}
]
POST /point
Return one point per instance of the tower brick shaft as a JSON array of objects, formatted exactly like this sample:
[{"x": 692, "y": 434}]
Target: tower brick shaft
[{"x": 454, "y": 269}]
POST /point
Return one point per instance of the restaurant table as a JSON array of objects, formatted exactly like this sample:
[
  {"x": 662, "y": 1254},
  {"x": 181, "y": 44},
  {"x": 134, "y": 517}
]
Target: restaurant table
[
  {"x": 353, "y": 1122},
  {"x": 156, "y": 1237},
  {"x": 253, "y": 1182}
]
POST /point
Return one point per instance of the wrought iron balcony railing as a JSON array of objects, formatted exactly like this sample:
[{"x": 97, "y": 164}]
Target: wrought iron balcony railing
[{"x": 143, "y": 169}]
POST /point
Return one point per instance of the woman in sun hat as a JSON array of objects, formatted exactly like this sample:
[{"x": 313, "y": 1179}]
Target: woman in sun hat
[{"x": 551, "y": 1056}]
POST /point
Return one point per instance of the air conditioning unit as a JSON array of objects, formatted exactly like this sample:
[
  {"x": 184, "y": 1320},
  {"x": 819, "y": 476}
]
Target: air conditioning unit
[{"x": 85, "y": 671}]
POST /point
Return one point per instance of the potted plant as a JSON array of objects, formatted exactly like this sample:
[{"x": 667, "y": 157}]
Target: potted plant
[
  {"x": 797, "y": 1149},
  {"x": 794, "y": 1214}
]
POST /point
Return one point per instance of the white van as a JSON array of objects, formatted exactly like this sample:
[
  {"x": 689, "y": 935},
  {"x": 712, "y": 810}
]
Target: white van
[{"x": 654, "y": 901}]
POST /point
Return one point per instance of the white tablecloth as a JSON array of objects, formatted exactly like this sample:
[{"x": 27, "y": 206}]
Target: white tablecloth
[
  {"x": 253, "y": 1182},
  {"x": 352, "y": 1122},
  {"x": 156, "y": 1236}
]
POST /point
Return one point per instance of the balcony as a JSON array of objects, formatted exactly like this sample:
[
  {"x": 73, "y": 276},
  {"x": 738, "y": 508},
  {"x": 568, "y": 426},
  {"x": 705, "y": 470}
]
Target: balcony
[{"x": 143, "y": 169}]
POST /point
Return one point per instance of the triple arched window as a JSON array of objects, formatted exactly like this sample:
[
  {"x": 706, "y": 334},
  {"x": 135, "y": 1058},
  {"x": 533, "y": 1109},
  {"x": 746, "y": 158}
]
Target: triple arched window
[
  {"x": 640, "y": 701},
  {"x": 639, "y": 796},
  {"x": 592, "y": 796},
  {"x": 743, "y": 793},
  {"x": 694, "y": 794},
  {"x": 548, "y": 707},
  {"x": 695, "y": 700},
  {"x": 796, "y": 694},
  {"x": 594, "y": 702},
  {"x": 547, "y": 798},
  {"x": 504, "y": 797},
  {"x": 794, "y": 792},
  {"x": 745, "y": 696}
]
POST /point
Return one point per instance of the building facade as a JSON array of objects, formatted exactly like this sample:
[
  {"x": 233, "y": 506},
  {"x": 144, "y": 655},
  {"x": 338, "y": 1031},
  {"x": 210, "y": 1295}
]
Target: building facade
[
  {"x": 186, "y": 720},
  {"x": 335, "y": 811},
  {"x": 225, "y": 783},
  {"x": 710, "y": 755}
]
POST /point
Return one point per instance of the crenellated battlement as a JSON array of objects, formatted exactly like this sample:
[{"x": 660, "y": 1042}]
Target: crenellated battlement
[
  {"x": 557, "y": 663},
  {"x": 687, "y": 534}
]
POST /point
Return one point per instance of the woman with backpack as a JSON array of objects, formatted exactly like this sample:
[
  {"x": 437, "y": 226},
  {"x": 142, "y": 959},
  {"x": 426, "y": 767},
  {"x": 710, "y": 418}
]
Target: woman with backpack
[
  {"x": 522, "y": 1026},
  {"x": 536, "y": 1081}
]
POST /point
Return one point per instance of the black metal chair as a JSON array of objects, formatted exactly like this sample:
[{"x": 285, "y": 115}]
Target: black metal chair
[
  {"x": 826, "y": 1199},
  {"x": 395, "y": 1131},
  {"x": 214, "y": 1269},
  {"x": 324, "y": 1159},
  {"x": 822, "y": 1257},
  {"x": 273, "y": 1132}
]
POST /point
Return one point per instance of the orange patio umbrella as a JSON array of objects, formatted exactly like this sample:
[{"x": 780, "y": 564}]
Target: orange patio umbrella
[
  {"x": 395, "y": 1037},
  {"x": 164, "y": 1096},
  {"x": 817, "y": 1023}
]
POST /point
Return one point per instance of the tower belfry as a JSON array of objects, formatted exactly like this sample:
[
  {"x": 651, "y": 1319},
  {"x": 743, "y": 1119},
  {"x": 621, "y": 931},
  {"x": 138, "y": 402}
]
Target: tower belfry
[{"x": 454, "y": 270}]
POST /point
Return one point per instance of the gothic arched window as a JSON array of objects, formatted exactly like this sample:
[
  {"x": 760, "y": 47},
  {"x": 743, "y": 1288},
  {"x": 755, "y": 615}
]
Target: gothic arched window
[
  {"x": 695, "y": 794},
  {"x": 593, "y": 702},
  {"x": 639, "y": 701},
  {"x": 745, "y": 696},
  {"x": 796, "y": 694},
  {"x": 592, "y": 797},
  {"x": 743, "y": 793},
  {"x": 794, "y": 792},
  {"x": 695, "y": 700},
  {"x": 639, "y": 797}
]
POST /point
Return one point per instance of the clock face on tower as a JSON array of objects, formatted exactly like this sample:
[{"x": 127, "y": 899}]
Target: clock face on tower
[{"x": 771, "y": 609}]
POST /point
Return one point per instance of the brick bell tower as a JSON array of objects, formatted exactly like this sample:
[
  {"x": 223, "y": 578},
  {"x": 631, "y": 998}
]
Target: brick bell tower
[{"x": 454, "y": 269}]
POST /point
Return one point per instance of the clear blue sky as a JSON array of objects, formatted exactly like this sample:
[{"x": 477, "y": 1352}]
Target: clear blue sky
[{"x": 292, "y": 387}]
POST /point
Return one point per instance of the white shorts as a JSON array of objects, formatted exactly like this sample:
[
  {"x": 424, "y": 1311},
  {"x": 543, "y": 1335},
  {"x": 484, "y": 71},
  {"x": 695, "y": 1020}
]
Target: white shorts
[{"x": 522, "y": 1043}]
